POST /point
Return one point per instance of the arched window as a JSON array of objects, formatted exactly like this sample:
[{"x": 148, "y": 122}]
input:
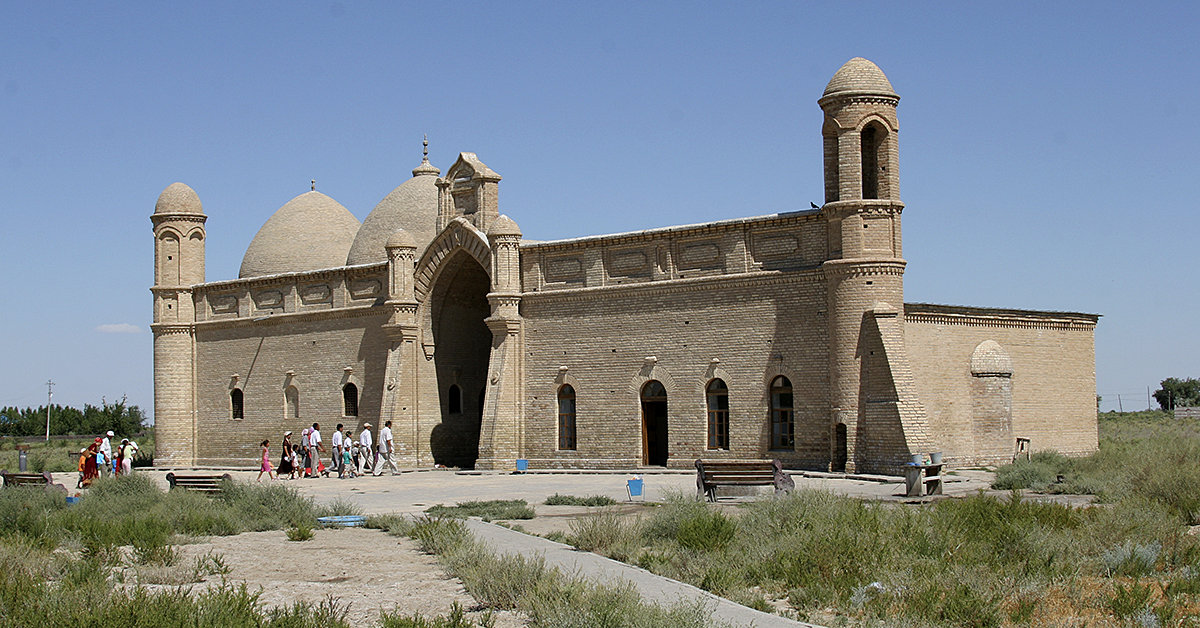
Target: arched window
[
  {"x": 454, "y": 399},
  {"x": 291, "y": 402},
  {"x": 235, "y": 403},
  {"x": 783, "y": 423},
  {"x": 350, "y": 399},
  {"x": 566, "y": 417},
  {"x": 873, "y": 139},
  {"x": 718, "y": 415}
]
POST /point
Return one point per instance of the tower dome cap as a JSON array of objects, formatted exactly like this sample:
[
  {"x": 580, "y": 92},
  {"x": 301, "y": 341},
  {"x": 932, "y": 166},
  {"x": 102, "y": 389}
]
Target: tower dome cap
[
  {"x": 400, "y": 239},
  {"x": 859, "y": 76},
  {"x": 178, "y": 198},
  {"x": 504, "y": 226}
]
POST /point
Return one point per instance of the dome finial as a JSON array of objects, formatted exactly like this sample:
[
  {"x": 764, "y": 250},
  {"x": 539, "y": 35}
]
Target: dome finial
[
  {"x": 313, "y": 187},
  {"x": 425, "y": 167}
]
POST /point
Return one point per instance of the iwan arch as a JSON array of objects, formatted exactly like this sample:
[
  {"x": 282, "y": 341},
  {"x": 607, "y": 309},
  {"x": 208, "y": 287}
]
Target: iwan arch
[{"x": 781, "y": 336}]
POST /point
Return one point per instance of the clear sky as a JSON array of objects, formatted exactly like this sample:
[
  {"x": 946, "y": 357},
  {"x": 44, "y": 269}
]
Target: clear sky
[{"x": 1047, "y": 158}]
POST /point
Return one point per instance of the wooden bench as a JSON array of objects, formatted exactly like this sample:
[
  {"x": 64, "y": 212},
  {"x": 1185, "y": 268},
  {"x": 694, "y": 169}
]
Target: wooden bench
[
  {"x": 200, "y": 483},
  {"x": 713, "y": 473},
  {"x": 43, "y": 480}
]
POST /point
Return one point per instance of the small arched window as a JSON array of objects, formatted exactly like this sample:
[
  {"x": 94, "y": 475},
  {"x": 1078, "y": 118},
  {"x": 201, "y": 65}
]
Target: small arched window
[
  {"x": 454, "y": 399},
  {"x": 235, "y": 404},
  {"x": 718, "y": 414},
  {"x": 566, "y": 417},
  {"x": 783, "y": 423},
  {"x": 350, "y": 399},
  {"x": 873, "y": 140},
  {"x": 291, "y": 402}
]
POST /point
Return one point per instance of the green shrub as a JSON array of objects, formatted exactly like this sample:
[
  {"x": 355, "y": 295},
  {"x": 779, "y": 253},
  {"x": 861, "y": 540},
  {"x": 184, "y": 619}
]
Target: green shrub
[
  {"x": 439, "y": 535},
  {"x": 1128, "y": 601},
  {"x": 396, "y": 525},
  {"x": 1131, "y": 559},
  {"x": 706, "y": 531},
  {"x": 301, "y": 532},
  {"x": 486, "y": 510},
  {"x": 605, "y": 532},
  {"x": 339, "y": 507},
  {"x": 572, "y": 500},
  {"x": 456, "y": 619}
]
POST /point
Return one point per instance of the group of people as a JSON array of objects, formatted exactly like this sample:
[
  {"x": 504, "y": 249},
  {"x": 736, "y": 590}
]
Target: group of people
[
  {"x": 99, "y": 458},
  {"x": 349, "y": 457}
]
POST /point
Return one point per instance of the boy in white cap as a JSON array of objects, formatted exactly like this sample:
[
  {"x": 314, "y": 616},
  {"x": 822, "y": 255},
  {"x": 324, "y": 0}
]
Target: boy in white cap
[{"x": 365, "y": 461}]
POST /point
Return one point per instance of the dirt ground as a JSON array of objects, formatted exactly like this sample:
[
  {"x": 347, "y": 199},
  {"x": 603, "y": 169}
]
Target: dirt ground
[{"x": 368, "y": 570}]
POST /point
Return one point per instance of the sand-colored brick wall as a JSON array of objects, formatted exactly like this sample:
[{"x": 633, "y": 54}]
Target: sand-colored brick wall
[
  {"x": 1053, "y": 381},
  {"x": 755, "y": 329},
  {"x": 317, "y": 349}
]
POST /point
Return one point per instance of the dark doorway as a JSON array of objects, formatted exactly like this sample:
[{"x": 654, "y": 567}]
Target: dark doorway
[
  {"x": 654, "y": 424},
  {"x": 838, "y": 463},
  {"x": 458, "y": 307}
]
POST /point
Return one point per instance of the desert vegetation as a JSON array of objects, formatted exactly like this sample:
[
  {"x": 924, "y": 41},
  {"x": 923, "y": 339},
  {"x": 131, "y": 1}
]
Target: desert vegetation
[{"x": 985, "y": 560}]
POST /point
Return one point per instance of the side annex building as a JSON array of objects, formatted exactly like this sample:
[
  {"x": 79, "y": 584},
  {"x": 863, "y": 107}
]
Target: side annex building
[{"x": 781, "y": 336}]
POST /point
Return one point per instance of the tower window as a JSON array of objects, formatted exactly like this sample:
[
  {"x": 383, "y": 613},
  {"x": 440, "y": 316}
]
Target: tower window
[
  {"x": 566, "y": 417},
  {"x": 350, "y": 399},
  {"x": 783, "y": 422},
  {"x": 235, "y": 404},
  {"x": 870, "y": 162},
  {"x": 454, "y": 399},
  {"x": 718, "y": 415}
]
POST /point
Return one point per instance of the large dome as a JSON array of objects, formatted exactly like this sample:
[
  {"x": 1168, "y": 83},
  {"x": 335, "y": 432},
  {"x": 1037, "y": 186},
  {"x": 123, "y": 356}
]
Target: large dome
[
  {"x": 859, "y": 76},
  {"x": 310, "y": 232},
  {"x": 413, "y": 207},
  {"x": 178, "y": 198}
]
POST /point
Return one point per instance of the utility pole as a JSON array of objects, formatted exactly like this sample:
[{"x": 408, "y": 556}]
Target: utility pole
[{"x": 49, "y": 400}]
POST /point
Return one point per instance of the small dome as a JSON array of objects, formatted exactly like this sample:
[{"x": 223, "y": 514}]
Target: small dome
[
  {"x": 310, "y": 232},
  {"x": 413, "y": 207},
  {"x": 178, "y": 198},
  {"x": 990, "y": 358},
  {"x": 859, "y": 76},
  {"x": 400, "y": 239},
  {"x": 504, "y": 226}
]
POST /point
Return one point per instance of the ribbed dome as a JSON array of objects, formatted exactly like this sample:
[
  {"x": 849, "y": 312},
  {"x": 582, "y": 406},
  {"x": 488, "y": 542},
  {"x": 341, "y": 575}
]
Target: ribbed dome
[
  {"x": 178, "y": 198},
  {"x": 990, "y": 358},
  {"x": 413, "y": 207},
  {"x": 310, "y": 232},
  {"x": 504, "y": 226},
  {"x": 859, "y": 76}
]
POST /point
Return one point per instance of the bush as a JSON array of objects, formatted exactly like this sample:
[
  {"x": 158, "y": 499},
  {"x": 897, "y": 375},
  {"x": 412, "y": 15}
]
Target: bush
[
  {"x": 572, "y": 500},
  {"x": 302, "y": 532},
  {"x": 706, "y": 532},
  {"x": 487, "y": 510},
  {"x": 605, "y": 532}
]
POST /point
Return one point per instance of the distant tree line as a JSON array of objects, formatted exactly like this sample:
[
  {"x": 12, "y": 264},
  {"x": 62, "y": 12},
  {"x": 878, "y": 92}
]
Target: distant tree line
[
  {"x": 117, "y": 416},
  {"x": 1175, "y": 392}
]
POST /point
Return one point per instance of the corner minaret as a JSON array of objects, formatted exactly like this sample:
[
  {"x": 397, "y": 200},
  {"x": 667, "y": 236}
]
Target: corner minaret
[
  {"x": 178, "y": 221},
  {"x": 875, "y": 414}
]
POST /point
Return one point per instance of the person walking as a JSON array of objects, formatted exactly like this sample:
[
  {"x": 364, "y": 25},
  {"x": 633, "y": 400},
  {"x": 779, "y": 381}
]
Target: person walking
[
  {"x": 127, "y": 450},
  {"x": 285, "y": 462},
  {"x": 266, "y": 462},
  {"x": 307, "y": 465},
  {"x": 386, "y": 447},
  {"x": 104, "y": 462},
  {"x": 335, "y": 443},
  {"x": 347, "y": 466},
  {"x": 315, "y": 448},
  {"x": 365, "y": 464}
]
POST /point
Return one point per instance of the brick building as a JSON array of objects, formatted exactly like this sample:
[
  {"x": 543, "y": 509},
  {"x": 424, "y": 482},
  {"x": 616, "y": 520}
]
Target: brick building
[{"x": 782, "y": 336}]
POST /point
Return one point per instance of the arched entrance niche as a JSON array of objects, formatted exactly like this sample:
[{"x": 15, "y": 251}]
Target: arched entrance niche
[
  {"x": 654, "y": 424},
  {"x": 458, "y": 306}
]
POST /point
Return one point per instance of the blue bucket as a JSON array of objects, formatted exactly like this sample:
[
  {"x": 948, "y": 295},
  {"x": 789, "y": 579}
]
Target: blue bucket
[
  {"x": 635, "y": 487},
  {"x": 522, "y": 465},
  {"x": 72, "y": 500}
]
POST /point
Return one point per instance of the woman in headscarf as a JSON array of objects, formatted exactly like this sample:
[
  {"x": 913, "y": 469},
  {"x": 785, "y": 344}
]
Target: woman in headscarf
[
  {"x": 90, "y": 471},
  {"x": 285, "y": 463}
]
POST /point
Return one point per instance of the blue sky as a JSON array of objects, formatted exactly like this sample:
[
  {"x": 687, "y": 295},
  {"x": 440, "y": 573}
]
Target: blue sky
[{"x": 1047, "y": 159}]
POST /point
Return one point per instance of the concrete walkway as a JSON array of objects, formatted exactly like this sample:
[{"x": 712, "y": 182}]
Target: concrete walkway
[{"x": 595, "y": 568}]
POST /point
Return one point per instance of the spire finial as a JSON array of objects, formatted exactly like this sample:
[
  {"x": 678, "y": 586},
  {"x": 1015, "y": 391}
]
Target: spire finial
[
  {"x": 313, "y": 187},
  {"x": 425, "y": 167},
  {"x": 424, "y": 149}
]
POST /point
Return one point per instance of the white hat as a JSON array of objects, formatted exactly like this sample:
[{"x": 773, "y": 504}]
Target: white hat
[
  {"x": 110, "y": 433},
  {"x": 288, "y": 433}
]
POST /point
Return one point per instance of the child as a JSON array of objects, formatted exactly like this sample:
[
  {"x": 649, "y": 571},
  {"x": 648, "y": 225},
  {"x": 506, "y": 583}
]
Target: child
[
  {"x": 347, "y": 460},
  {"x": 297, "y": 462},
  {"x": 266, "y": 462}
]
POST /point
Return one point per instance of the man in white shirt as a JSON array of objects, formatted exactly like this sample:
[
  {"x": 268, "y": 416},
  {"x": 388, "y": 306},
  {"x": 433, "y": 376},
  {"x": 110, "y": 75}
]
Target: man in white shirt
[
  {"x": 314, "y": 448},
  {"x": 386, "y": 447},
  {"x": 106, "y": 449},
  {"x": 366, "y": 460},
  {"x": 336, "y": 442}
]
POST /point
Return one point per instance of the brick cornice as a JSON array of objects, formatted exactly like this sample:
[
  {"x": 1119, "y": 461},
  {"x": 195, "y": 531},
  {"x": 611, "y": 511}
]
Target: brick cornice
[
  {"x": 291, "y": 317},
  {"x": 674, "y": 286},
  {"x": 676, "y": 232},
  {"x": 863, "y": 267},
  {"x": 168, "y": 329},
  {"x": 1012, "y": 319}
]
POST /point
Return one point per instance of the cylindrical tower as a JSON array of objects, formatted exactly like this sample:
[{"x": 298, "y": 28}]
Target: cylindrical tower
[
  {"x": 178, "y": 221},
  {"x": 862, "y": 210}
]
